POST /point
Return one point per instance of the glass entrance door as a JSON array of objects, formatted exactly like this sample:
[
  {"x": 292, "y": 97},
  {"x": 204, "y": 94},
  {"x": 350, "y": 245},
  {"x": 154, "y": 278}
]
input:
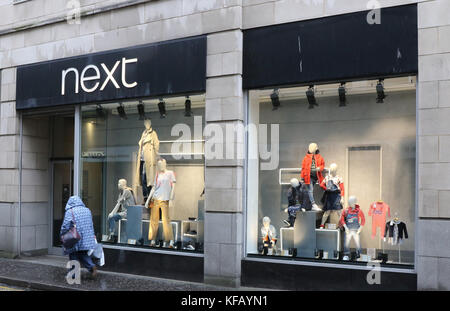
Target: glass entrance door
[{"x": 62, "y": 186}]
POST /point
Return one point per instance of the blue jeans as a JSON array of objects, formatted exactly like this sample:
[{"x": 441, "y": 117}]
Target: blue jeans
[
  {"x": 84, "y": 260},
  {"x": 112, "y": 222},
  {"x": 311, "y": 192}
]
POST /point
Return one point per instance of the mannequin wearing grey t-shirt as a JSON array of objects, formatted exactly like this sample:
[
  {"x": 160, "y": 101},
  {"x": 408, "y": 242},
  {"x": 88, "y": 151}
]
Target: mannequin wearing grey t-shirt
[{"x": 124, "y": 200}]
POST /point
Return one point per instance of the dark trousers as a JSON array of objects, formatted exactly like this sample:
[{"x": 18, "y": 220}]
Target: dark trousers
[
  {"x": 83, "y": 258},
  {"x": 145, "y": 189}
]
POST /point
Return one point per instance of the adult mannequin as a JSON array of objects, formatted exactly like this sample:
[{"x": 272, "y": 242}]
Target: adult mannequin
[
  {"x": 124, "y": 200},
  {"x": 161, "y": 196},
  {"x": 147, "y": 155},
  {"x": 353, "y": 220},
  {"x": 312, "y": 166},
  {"x": 268, "y": 233},
  {"x": 333, "y": 198}
]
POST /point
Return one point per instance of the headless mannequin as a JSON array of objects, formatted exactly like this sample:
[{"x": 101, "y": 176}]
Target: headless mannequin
[
  {"x": 164, "y": 204},
  {"x": 326, "y": 214},
  {"x": 268, "y": 233},
  {"x": 148, "y": 152}
]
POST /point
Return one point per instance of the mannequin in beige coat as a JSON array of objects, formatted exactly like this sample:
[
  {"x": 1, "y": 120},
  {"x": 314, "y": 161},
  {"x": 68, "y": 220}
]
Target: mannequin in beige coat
[{"x": 147, "y": 155}]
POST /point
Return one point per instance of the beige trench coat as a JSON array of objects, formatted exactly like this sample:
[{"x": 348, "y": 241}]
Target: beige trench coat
[{"x": 149, "y": 145}]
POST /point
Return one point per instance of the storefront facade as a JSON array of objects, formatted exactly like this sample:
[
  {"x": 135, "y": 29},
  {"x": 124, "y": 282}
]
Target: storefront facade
[{"x": 236, "y": 92}]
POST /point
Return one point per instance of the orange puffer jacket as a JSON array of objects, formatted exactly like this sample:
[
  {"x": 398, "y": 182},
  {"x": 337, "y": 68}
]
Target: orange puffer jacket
[{"x": 306, "y": 167}]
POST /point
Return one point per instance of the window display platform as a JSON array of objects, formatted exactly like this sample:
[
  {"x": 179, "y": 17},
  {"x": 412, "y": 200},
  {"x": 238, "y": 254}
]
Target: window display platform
[
  {"x": 154, "y": 262},
  {"x": 308, "y": 275}
]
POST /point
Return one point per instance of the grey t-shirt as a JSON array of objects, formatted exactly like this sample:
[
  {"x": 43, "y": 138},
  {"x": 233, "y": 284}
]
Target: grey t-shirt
[{"x": 125, "y": 199}]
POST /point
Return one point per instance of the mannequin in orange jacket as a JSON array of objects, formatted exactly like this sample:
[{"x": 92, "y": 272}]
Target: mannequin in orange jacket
[{"x": 312, "y": 167}]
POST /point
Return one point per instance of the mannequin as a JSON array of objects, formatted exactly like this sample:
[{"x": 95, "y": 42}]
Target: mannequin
[
  {"x": 147, "y": 155},
  {"x": 125, "y": 199},
  {"x": 353, "y": 220},
  {"x": 294, "y": 199},
  {"x": 333, "y": 198},
  {"x": 161, "y": 196},
  {"x": 269, "y": 234},
  {"x": 312, "y": 166}
]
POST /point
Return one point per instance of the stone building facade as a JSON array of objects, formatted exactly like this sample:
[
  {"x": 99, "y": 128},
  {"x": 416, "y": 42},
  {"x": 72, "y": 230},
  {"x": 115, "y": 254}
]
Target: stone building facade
[{"x": 37, "y": 30}]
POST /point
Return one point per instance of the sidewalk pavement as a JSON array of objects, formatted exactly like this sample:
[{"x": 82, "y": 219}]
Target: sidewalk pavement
[{"x": 49, "y": 273}]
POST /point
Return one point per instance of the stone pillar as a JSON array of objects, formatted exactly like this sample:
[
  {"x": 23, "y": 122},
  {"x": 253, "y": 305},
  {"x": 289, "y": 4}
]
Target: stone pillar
[
  {"x": 433, "y": 247},
  {"x": 224, "y": 177},
  {"x": 9, "y": 165}
]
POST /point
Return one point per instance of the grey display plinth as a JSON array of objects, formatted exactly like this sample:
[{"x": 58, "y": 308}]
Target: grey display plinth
[
  {"x": 329, "y": 240},
  {"x": 305, "y": 234},
  {"x": 133, "y": 224}
]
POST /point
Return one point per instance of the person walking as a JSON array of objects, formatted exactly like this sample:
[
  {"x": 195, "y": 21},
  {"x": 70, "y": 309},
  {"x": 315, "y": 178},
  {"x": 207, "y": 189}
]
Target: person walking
[{"x": 80, "y": 215}]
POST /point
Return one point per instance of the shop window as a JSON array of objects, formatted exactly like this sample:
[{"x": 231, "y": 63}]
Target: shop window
[
  {"x": 142, "y": 172},
  {"x": 344, "y": 187}
]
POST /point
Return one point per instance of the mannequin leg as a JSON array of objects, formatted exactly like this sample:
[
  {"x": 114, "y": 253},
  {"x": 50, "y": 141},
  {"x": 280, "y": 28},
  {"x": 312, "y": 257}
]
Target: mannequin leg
[
  {"x": 167, "y": 227},
  {"x": 311, "y": 192},
  {"x": 348, "y": 237},
  {"x": 145, "y": 190},
  {"x": 325, "y": 216},
  {"x": 154, "y": 221},
  {"x": 357, "y": 242}
]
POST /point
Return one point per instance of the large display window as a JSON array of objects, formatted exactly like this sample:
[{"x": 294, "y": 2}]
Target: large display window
[
  {"x": 344, "y": 187},
  {"x": 142, "y": 171}
]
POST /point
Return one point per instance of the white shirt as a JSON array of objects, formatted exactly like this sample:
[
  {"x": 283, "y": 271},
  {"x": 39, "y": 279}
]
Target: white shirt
[{"x": 163, "y": 185}]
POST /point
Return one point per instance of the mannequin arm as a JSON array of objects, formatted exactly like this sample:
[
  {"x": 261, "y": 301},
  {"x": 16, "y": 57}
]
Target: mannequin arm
[
  {"x": 156, "y": 142},
  {"x": 323, "y": 185},
  {"x": 150, "y": 196},
  {"x": 172, "y": 196},
  {"x": 115, "y": 209},
  {"x": 172, "y": 192},
  {"x": 359, "y": 230}
]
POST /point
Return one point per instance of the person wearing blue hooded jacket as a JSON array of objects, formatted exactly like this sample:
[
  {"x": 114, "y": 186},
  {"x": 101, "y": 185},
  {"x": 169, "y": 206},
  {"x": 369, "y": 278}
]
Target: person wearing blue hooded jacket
[{"x": 75, "y": 209}]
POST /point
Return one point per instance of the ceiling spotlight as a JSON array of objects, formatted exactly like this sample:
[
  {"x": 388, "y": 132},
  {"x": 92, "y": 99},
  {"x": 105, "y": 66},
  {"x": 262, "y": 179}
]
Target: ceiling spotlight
[
  {"x": 342, "y": 98},
  {"x": 274, "y": 97},
  {"x": 141, "y": 110},
  {"x": 380, "y": 92},
  {"x": 100, "y": 112},
  {"x": 187, "y": 107},
  {"x": 162, "y": 108},
  {"x": 311, "y": 98},
  {"x": 121, "y": 111}
]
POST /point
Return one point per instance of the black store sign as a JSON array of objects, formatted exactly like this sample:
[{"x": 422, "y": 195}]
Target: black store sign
[
  {"x": 165, "y": 68},
  {"x": 338, "y": 48}
]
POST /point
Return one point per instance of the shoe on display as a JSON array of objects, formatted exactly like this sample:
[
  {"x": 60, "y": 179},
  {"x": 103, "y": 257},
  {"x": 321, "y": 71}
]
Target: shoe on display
[
  {"x": 346, "y": 258},
  {"x": 171, "y": 244},
  {"x": 322, "y": 227},
  {"x": 190, "y": 247},
  {"x": 316, "y": 208},
  {"x": 152, "y": 243}
]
